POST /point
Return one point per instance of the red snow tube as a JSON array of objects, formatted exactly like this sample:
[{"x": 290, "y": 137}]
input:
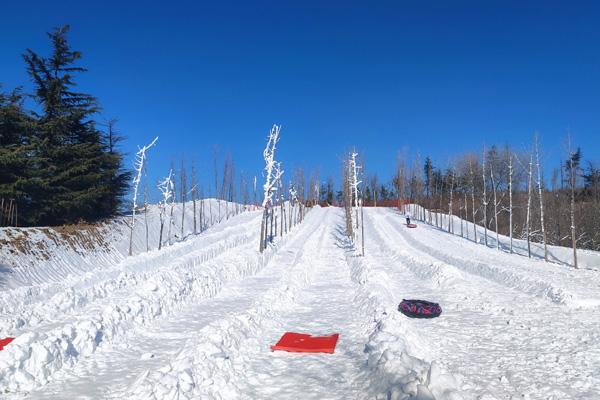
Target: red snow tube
[
  {"x": 5, "y": 341},
  {"x": 303, "y": 343},
  {"x": 411, "y": 225},
  {"x": 419, "y": 309}
]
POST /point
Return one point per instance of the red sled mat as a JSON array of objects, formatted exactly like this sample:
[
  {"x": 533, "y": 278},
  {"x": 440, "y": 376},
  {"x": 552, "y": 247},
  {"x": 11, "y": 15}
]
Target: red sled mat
[
  {"x": 5, "y": 341},
  {"x": 411, "y": 225},
  {"x": 303, "y": 343}
]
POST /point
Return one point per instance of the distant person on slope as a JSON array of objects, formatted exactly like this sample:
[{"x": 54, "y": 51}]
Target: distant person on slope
[{"x": 407, "y": 218}]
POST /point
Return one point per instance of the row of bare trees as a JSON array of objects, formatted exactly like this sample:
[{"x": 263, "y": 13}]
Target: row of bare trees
[
  {"x": 504, "y": 192},
  {"x": 183, "y": 195}
]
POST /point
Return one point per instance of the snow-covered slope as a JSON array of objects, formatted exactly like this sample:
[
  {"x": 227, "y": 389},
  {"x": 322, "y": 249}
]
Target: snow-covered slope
[
  {"x": 586, "y": 259},
  {"x": 196, "y": 320},
  {"x": 31, "y": 256}
]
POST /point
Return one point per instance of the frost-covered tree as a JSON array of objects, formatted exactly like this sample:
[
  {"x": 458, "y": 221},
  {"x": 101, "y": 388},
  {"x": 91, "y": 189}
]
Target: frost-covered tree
[
  {"x": 272, "y": 175},
  {"x": 293, "y": 203},
  {"x": 139, "y": 164},
  {"x": 183, "y": 191},
  {"x": 355, "y": 192},
  {"x": 166, "y": 189},
  {"x": 347, "y": 196}
]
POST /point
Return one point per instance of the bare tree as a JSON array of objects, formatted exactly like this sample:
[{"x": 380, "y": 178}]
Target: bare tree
[
  {"x": 373, "y": 182},
  {"x": 194, "y": 193},
  {"x": 473, "y": 209},
  {"x": 399, "y": 179},
  {"x": 172, "y": 209},
  {"x": 510, "y": 198},
  {"x": 451, "y": 190},
  {"x": 484, "y": 199},
  {"x": 183, "y": 190},
  {"x": 146, "y": 206},
  {"x": 529, "y": 190},
  {"x": 539, "y": 185},
  {"x": 216, "y": 175},
  {"x": 495, "y": 191},
  {"x": 573, "y": 163}
]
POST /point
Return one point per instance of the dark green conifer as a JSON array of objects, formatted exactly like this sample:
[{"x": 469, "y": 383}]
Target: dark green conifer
[{"x": 78, "y": 177}]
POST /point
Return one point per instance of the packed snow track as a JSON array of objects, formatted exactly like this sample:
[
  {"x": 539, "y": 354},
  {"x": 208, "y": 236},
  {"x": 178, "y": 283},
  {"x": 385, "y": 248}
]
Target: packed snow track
[{"x": 196, "y": 320}]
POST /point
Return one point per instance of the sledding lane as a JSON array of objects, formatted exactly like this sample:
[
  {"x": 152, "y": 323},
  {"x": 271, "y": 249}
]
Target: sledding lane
[
  {"x": 324, "y": 307},
  {"x": 503, "y": 341},
  {"x": 114, "y": 368},
  {"x": 315, "y": 296}
]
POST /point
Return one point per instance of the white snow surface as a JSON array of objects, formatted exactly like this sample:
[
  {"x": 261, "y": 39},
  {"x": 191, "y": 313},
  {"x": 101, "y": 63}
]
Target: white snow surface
[{"x": 196, "y": 319}]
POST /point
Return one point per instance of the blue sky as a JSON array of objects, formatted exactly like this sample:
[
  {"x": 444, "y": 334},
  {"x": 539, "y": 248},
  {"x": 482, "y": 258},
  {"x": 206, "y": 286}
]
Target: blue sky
[{"x": 439, "y": 78}]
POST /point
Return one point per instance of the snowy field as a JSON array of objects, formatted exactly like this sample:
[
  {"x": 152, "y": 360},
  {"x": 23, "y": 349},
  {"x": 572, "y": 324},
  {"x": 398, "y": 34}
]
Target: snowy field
[{"x": 196, "y": 320}]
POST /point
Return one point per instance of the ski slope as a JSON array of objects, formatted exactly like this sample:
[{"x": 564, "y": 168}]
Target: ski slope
[{"x": 196, "y": 320}]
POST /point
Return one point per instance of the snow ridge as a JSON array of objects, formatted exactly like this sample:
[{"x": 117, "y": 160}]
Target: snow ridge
[
  {"x": 33, "y": 358},
  {"x": 15, "y": 316}
]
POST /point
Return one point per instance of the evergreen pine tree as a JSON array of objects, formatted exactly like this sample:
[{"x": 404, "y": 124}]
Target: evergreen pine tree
[{"x": 78, "y": 177}]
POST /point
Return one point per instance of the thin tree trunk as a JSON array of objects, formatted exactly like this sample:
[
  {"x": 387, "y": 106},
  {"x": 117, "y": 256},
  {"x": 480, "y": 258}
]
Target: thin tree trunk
[
  {"x": 450, "y": 213},
  {"x": 162, "y": 224},
  {"x": 528, "y": 220},
  {"x": 539, "y": 184},
  {"x": 473, "y": 200},
  {"x": 510, "y": 201},
  {"x": 484, "y": 200},
  {"x": 262, "y": 231},
  {"x": 573, "y": 182},
  {"x": 495, "y": 205}
]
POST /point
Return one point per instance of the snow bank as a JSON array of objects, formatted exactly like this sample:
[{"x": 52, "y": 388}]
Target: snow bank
[
  {"x": 25, "y": 308},
  {"x": 33, "y": 358},
  {"x": 36, "y": 256}
]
